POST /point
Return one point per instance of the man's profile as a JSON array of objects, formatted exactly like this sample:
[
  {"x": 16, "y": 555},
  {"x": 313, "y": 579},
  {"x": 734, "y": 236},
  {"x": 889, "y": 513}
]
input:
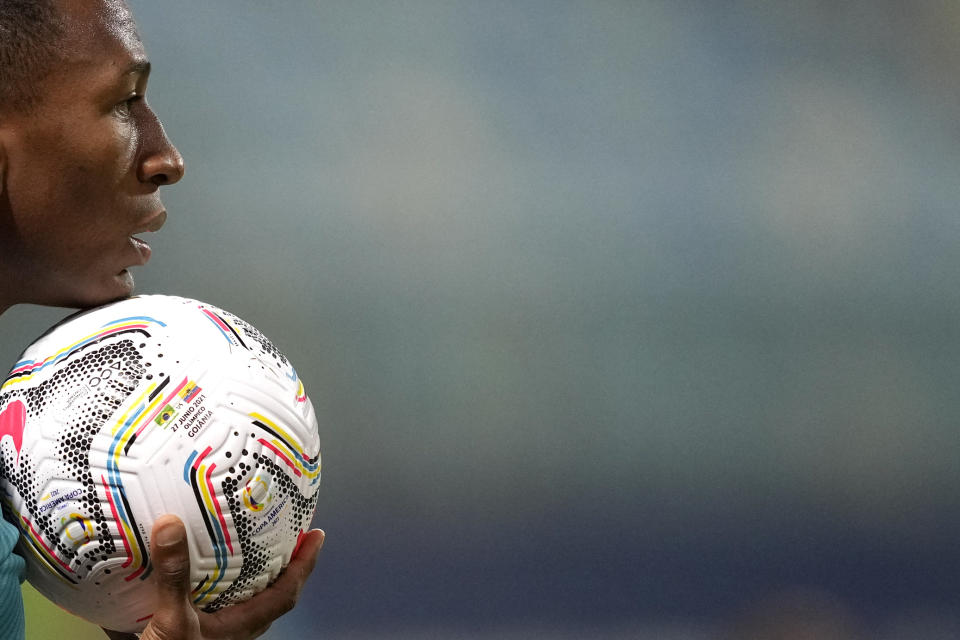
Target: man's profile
[{"x": 82, "y": 160}]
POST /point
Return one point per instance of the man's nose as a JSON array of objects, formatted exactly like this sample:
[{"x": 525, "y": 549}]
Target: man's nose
[{"x": 162, "y": 164}]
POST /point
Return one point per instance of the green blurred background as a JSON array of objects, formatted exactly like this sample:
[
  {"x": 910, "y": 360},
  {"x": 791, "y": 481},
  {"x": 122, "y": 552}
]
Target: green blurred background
[{"x": 623, "y": 319}]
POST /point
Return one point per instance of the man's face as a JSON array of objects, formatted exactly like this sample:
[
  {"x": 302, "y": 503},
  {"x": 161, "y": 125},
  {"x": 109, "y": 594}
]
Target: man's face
[{"x": 81, "y": 173}]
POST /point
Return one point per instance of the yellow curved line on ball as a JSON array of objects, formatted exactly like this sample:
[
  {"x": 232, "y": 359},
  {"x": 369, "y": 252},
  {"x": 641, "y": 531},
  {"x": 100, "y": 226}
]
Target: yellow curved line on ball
[
  {"x": 107, "y": 329},
  {"x": 310, "y": 473},
  {"x": 87, "y": 528},
  {"x": 288, "y": 443},
  {"x": 123, "y": 528},
  {"x": 136, "y": 404},
  {"x": 273, "y": 425},
  {"x": 36, "y": 545},
  {"x": 214, "y": 589},
  {"x": 135, "y": 558},
  {"x": 44, "y": 560}
]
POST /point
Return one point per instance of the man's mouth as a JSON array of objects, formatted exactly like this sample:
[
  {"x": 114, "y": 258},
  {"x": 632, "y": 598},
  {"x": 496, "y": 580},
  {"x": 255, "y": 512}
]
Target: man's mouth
[
  {"x": 152, "y": 224},
  {"x": 142, "y": 248}
]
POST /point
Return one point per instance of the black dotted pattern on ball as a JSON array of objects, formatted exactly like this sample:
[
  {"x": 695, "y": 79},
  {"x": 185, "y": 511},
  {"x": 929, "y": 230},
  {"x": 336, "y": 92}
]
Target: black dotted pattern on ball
[
  {"x": 256, "y": 556},
  {"x": 85, "y": 418},
  {"x": 89, "y": 413}
]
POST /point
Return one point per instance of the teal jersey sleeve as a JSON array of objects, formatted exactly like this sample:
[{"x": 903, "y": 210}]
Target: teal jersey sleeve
[{"x": 11, "y": 575}]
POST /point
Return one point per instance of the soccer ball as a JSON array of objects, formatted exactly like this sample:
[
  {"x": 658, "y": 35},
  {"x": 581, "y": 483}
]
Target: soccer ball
[{"x": 153, "y": 405}]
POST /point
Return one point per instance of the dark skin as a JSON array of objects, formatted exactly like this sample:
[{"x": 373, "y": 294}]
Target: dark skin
[
  {"x": 80, "y": 180},
  {"x": 177, "y": 619}
]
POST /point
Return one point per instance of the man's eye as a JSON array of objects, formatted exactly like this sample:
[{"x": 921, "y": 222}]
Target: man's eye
[{"x": 125, "y": 106}]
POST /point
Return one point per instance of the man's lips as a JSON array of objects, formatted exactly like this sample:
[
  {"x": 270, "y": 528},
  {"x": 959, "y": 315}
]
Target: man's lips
[
  {"x": 142, "y": 248},
  {"x": 153, "y": 223}
]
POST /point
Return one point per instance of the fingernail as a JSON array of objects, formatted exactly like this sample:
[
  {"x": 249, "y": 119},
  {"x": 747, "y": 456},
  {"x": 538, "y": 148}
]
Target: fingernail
[{"x": 169, "y": 536}]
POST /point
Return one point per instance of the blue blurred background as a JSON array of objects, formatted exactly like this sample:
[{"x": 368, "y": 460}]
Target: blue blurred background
[{"x": 623, "y": 319}]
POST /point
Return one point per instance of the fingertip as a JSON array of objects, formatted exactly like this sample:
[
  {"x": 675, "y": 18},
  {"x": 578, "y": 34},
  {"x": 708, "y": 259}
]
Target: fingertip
[
  {"x": 166, "y": 519},
  {"x": 169, "y": 531},
  {"x": 317, "y": 538},
  {"x": 305, "y": 557},
  {"x": 308, "y": 544},
  {"x": 171, "y": 558}
]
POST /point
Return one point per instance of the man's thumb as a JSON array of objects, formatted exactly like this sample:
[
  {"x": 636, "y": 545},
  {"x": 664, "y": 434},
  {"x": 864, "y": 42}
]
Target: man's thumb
[{"x": 171, "y": 567}]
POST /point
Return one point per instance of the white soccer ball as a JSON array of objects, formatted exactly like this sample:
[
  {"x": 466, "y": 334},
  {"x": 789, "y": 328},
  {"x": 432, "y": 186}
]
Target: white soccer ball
[{"x": 147, "y": 406}]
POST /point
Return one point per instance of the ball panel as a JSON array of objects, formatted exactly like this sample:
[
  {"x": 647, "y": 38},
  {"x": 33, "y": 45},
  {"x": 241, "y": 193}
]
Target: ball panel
[{"x": 148, "y": 406}]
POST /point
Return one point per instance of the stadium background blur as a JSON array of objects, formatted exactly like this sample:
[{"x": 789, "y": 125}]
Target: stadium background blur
[{"x": 623, "y": 319}]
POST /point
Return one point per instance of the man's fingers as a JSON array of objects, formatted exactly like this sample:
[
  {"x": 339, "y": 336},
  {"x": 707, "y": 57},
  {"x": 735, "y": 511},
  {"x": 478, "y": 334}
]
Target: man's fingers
[
  {"x": 308, "y": 550},
  {"x": 171, "y": 561},
  {"x": 301, "y": 565},
  {"x": 279, "y": 598},
  {"x": 174, "y": 616}
]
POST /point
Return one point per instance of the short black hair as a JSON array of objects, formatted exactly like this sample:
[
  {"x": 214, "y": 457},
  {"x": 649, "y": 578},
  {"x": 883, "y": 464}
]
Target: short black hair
[{"x": 30, "y": 32}]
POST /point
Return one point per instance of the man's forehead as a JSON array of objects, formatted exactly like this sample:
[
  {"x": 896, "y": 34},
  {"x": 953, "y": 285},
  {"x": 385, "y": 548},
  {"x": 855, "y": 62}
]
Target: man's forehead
[{"x": 95, "y": 25}]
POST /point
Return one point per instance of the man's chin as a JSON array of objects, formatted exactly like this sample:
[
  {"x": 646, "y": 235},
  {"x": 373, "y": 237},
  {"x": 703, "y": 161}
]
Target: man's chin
[
  {"x": 125, "y": 283},
  {"x": 121, "y": 287},
  {"x": 118, "y": 287}
]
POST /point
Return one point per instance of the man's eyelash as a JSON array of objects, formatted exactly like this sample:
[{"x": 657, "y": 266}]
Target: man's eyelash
[{"x": 124, "y": 106}]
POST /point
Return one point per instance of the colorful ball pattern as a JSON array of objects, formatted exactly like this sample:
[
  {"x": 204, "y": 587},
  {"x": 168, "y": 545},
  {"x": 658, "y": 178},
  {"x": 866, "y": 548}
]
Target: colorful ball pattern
[{"x": 154, "y": 405}]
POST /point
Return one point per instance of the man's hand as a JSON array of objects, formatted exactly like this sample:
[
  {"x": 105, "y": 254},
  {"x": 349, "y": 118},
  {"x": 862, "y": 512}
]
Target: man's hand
[{"x": 177, "y": 619}]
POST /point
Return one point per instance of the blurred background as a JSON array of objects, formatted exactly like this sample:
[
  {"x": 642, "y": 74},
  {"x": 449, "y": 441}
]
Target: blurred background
[{"x": 623, "y": 319}]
